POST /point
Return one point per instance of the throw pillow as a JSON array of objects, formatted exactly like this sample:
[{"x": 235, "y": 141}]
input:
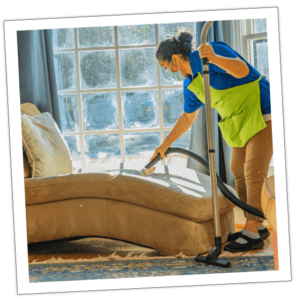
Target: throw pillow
[
  {"x": 29, "y": 109},
  {"x": 45, "y": 147},
  {"x": 27, "y": 169}
]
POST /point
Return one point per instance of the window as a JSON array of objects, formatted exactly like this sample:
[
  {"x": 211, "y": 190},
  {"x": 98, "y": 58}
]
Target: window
[
  {"x": 254, "y": 45},
  {"x": 116, "y": 103},
  {"x": 255, "y": 50}
]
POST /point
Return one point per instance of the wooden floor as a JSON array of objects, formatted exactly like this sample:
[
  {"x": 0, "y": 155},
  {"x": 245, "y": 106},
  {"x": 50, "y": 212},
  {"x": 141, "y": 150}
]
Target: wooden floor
[{"x": 89, "y": 248}]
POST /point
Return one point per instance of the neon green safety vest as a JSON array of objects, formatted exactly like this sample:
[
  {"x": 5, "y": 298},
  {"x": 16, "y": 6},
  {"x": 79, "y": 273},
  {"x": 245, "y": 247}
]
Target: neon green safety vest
[{"x": 239, "y": 108}]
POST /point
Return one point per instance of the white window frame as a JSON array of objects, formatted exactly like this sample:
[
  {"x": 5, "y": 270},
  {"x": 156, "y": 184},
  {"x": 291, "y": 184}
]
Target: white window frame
[
  {"x": 247, "y": 42},
  {"x": 81, "y": 133},
  {"x": 243, "y": 36}
]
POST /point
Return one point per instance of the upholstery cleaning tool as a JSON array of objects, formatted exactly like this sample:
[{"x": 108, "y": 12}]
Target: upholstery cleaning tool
[
  {"x": 145, "y": 171},
  {"x": 212, "y": 257}
]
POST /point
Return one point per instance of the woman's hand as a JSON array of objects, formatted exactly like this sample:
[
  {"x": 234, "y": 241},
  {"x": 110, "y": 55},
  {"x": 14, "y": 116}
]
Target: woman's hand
[
  {"x": 161, "y": 149},
  {"x": 206, "y": 50},
  {"x": 233, "y": 66},
  {"x": 182, "y": 125}
]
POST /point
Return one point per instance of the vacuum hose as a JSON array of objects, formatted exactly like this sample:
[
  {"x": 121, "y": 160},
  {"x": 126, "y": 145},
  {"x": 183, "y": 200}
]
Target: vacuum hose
[{"x": 226, "y": 192}]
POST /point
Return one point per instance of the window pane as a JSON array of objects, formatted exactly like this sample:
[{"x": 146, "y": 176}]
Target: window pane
[
  {"x": 138, "y": 67},
  {"x": 165, "y": 80},
  {"x": 172, "y": 100},
  {"x": 260, "y": 49},
  {"x": 170, "y": 30},
  {"x": 100, "y": 111},
  {"x": 73, "y": 143},
  {"x": 260, "y": 25},
  {"x": 136, "y": 35},
  {"x": 102, "y": 148},
  {"x": 68, "y": 109},
  {"x": 270, "y": 168},
  {"x": 140, "y": 109},
  {"x": 63, "y": 39},
  {"x": 140, "y": 147},
  {"x": 98, "y": 69},
  {"x": 96, "y": 37},
  {"x": 65, "y": 71},
  {"x": 183, "y": 141},
  {"x": 177, "y": 158}
]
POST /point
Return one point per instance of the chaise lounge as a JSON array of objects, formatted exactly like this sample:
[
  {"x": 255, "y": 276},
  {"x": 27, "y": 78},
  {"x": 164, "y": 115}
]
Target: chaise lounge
[{"x": 170, "y": 210}]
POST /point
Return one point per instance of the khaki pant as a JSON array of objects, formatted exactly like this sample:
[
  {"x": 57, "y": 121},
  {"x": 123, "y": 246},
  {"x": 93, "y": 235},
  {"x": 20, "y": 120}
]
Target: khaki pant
[{"x": 249, "y": 166}]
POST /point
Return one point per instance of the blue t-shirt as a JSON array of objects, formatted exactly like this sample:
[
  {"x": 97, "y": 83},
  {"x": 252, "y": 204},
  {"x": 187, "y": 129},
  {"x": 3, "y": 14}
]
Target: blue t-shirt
[{"x": 220, "y": 80}]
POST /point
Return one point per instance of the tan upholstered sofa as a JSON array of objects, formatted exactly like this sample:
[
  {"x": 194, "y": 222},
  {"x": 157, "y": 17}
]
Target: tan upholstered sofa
[{"x": 170, "y": 210}]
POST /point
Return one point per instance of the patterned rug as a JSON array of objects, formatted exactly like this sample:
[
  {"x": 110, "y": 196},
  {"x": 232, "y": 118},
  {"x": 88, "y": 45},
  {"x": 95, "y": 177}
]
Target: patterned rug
[{"x": 142, "y": 268}]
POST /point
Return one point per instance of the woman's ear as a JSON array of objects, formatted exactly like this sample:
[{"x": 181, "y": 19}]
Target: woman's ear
[{"x": 175, "y": 59}]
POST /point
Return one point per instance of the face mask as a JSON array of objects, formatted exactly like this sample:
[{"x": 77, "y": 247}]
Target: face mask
[{"x": 175, "y": 75}]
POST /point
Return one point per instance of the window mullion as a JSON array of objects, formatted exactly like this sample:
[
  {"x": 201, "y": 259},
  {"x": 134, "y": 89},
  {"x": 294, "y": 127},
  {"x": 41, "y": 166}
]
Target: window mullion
[
  {"x": 80, "y": 105},
  {"x": 91, "y": 91},
  {"x": 252, "y": 25},
  {"x": 101, "y": 48},
  {"x": 161, "y": 121},
  {"x": 117, "y": 131},
  {"x": 248, "y": 45},
  {"x": 119, "y": 97}
]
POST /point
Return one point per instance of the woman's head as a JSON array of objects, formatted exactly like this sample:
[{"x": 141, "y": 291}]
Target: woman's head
[
  {"x": 181, "y": 46},
  {"x": 173, "y": 55}
]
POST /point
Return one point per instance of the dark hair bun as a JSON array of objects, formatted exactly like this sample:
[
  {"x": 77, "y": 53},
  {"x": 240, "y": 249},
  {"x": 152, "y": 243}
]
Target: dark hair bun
[
  {"x": 182, "y": 45},
  {"x": 185, "y": 37}
]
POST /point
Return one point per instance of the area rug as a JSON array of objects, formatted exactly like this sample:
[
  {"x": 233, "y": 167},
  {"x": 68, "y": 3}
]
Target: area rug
[{"x": 143, "y": 268}]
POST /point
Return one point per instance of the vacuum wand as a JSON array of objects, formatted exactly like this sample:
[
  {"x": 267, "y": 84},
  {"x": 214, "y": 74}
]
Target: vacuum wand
[{"x": 212, "y": 257}]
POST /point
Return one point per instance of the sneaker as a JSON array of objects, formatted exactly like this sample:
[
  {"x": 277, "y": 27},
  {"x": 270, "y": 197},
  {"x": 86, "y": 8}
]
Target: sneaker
[{"x": 264, "y": 233}]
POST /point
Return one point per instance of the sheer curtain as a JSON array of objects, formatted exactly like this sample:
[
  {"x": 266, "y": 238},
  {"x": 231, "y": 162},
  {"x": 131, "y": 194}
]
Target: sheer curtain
[
  {"x": 36, "y": 71},
  {"x": 198, "y": 139}
]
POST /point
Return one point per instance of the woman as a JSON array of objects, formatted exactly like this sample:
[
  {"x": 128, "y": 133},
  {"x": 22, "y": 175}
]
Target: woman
[{"x": 242, "y": 98}]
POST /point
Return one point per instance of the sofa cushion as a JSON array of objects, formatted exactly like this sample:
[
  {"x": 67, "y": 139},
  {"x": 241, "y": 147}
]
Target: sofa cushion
[
  {"x": 45, "y": 147},
  {"x": 174, "y": 190}
]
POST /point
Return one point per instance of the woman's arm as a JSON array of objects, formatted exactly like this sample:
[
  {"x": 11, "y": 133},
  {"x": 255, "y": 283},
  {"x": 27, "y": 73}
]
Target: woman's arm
[
  {"x": 182, "y": 125},
  {"x": 234, "y": 67}
]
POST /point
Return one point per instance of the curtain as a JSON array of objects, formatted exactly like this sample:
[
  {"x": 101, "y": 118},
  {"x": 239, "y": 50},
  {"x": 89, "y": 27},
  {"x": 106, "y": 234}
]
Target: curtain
[
  {"x": 36, "y": 71},
  {"x": 198, "y": 138}
]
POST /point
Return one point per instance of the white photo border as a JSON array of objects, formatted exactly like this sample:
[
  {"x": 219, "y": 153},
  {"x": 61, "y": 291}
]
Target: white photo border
[{"x": 24, "y": 286}]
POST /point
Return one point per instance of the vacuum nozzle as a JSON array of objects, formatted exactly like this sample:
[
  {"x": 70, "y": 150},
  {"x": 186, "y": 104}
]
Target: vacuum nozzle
[{"x": 146, "y": 171}]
